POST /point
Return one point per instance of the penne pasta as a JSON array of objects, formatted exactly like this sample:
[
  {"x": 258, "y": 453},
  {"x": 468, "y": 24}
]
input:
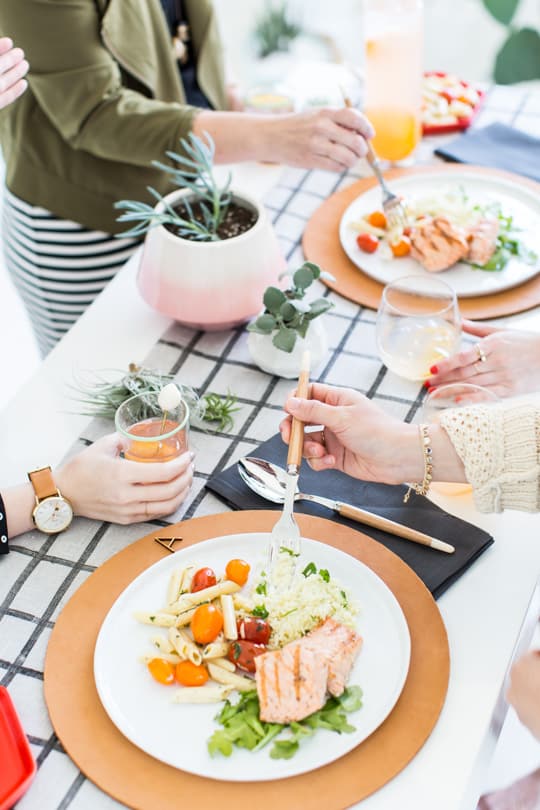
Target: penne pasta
[
  {"x": 184, "y": 646},
  {"x": 240, "y": 603},
  {"x": 184, "y": 618},
  {"x": 221, "y": 675},
  {"x": 172, "y": 659},
  {"x": 189, "y": 600},
  {"x": 187, "y": 576},
  {"x": 202, "y": 694},
  {"x": 229, "y": 617},
  {"x": 163, "y": 644},
  {"x": 175, "y": 583},
  {"x": 157, "y": 618},
  {"x": 224, "y": 663},
  {"x": 216, "y": 649}
]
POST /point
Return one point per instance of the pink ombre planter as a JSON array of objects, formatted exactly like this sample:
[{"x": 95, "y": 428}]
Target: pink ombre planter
[{"x": 210, "y": 285}]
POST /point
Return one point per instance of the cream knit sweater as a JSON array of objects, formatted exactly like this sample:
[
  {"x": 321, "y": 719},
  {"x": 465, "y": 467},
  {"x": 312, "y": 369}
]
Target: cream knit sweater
[{"x": 500, "y": 449}]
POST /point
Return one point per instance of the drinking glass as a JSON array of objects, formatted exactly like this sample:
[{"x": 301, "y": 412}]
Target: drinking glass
[
  {"x": 393, "y": 38},
  {"x": 446, "y": 397},
  {"x": 153, "y": 434},
  {"x": 418, "y": 324}
]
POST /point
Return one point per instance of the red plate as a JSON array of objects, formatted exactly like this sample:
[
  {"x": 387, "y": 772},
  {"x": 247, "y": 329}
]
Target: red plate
[
  {"x": 461, "y": 123},
  {"x": 17, "y": 763}
]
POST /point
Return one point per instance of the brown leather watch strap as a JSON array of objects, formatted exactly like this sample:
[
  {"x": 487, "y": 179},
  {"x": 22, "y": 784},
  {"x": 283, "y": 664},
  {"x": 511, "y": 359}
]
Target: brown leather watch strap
[{"x": 43, "y": 483}]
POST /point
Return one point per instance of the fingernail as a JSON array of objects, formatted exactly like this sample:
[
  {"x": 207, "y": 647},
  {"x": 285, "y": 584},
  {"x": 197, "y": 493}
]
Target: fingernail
[
  {"x": 427, "y": 383},
  {"x": 191, "y": 455},
  {"x": 328, "y": 461},
  {"x": 434, "y": 370},
  {"x": 431, "y": 388}
]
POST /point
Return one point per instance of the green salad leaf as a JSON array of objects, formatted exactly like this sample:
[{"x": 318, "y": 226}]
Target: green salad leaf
[
  {"x": 243, "y": 728},
  {"x": 508, "y": 244}
]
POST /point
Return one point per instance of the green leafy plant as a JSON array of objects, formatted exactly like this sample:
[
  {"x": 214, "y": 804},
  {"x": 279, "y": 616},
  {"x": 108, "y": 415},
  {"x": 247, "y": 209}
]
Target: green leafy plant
[
  {"x": 286, "y": 315},
  {"x": 274, "y": 31},
  {"x": 99, "y": 396},
  {"x": 518, "y": 58},
  {"x": 194, "y": 171}
]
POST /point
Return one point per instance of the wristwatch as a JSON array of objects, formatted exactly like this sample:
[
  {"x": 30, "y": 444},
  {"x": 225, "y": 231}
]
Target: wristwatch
[{"x": 52, "y": 512}]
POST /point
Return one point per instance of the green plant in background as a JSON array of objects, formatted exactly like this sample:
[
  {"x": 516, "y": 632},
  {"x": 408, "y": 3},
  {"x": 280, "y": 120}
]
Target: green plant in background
[
  {"x": 286, "y": 313},
  {"x": 193, "y": 171},
  {"x": 274, "y": 31},
  {"x": 101, "y": 397},
  {"x": 518, "y": 59}
]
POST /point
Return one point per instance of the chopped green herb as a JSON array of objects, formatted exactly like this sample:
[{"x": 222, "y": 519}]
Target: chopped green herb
[
  {"x": 152, "y": 618},
  {"x": 260, "y": 611},
  {"x": 292, "y": 610},
  {"x": 310, "y": 569},
  {"x": 261, "y": 588},
  {"x": 324, "y": 574},
  {"x": 289, "y": 551},
  {"x": 236, "y": 650}
]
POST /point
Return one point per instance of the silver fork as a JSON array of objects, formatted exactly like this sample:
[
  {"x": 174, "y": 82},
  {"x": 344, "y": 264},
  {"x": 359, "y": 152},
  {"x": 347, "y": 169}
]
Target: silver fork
[
  {"x": 392, "y": 204},
  {"x": 286, "y": 534}
]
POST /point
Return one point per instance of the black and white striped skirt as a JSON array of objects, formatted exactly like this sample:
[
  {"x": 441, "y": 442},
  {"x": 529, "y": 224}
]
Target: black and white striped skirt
[{"x": 58, "y": 267}]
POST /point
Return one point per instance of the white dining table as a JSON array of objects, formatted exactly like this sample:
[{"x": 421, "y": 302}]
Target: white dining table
[{"x": 489, "y": 614}]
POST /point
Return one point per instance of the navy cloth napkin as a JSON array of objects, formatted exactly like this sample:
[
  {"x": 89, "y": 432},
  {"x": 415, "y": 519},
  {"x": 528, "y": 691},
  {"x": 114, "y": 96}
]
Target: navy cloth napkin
[
  {"x": 437, "y": 569},
  {"x": 497, "y": 146}
]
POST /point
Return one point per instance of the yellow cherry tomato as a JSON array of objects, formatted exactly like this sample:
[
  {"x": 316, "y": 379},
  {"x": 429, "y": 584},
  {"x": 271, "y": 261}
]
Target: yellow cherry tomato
[
  {"x": 189, "y": 674},
  {"x": 401, "y": 248},
  {"x": 377, "y": 219},
  {"x": 237, "y": 571},
  {"x": 206, "y": 624},
  {"x": 162, "y": 671}
]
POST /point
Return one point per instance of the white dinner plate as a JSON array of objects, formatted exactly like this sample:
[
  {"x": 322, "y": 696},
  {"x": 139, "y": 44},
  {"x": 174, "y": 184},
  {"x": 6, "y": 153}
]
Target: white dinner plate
[
  {"x": 177, "y": 733},
  {"x": 516, "y": 200}
]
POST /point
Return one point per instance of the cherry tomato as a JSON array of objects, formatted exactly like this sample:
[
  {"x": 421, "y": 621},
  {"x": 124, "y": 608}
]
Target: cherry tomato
[
  {"x": 237, "y": 571},
  {"x": 189, "y": 674},
  {"x": 206, "y": 624},
  {"x": 401, "y": 248},
  {"x": 377, "y": 219},
  {"x": 407, "y": 230},
  {"x": 244, "y": 653},
  {"x": 203, "y": 578},
  {"x": 253, "y": 629},
  {"x": 162, "y": 671},
  {"x": 367, "y": 242}
]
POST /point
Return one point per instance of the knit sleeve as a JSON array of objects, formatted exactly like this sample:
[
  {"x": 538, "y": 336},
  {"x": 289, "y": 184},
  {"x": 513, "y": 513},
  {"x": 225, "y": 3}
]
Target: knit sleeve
[{"x": 499, "y": 447}]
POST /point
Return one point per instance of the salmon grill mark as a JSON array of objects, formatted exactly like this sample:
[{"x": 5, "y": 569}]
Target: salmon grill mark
[
  {"x": 297, "y": 677},
  {"x": 276, "y": 678}
]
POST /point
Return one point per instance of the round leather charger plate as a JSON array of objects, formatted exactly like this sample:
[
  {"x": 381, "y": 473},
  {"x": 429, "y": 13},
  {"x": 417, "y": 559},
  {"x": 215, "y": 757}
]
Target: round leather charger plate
[
  {"x": 322, "y": 245},
  {"x": 137, "y": 780}
]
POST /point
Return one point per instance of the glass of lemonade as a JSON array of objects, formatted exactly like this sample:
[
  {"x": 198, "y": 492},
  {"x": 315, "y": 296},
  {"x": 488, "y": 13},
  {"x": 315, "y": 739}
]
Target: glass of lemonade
[
  {"x": 443, "y": 398},
  {"x": 153, "y": 434},
  {"x": 393, "y": 40},
  {"x": 418, "y": 324}
]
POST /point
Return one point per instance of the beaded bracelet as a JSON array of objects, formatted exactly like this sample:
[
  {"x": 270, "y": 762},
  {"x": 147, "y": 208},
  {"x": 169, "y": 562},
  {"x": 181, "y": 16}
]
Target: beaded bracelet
[{"x": 422, "y": 489}]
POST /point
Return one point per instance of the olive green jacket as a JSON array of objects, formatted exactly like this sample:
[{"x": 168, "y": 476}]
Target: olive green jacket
[{"x": 104, "y": 99}]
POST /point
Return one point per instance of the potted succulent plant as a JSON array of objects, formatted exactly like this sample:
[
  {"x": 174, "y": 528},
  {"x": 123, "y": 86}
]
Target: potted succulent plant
[
  {"x": 209, "y": 251},
  {"x": 289, "y": 324}
]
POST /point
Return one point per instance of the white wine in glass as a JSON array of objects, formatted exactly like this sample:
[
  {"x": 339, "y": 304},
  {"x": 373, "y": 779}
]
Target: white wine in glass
[{"x": 418, "y": 324}]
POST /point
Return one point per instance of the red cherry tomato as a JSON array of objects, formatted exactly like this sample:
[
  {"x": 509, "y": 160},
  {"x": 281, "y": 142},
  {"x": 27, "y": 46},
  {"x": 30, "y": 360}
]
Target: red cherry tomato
[
  {"x": 367, "y": 242},
  {"x": 189, "y": 674},
  {"x": 237, "y": 571},
  {"x": 377, "y": 219},
  {"x": 203, "y": 578},
  {"x": 253, "y": 629},
  {"x": 244, "y": 653},
  {"x": 206, "y": 624},
  {"x": 162, "y": 671}
]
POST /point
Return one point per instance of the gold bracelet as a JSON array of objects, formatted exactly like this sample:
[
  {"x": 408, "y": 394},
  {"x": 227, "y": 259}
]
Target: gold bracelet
[{"x": 423, "y": 488}]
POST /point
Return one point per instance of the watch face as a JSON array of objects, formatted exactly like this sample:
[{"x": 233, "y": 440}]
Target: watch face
[{"x": 53, "y": 515}]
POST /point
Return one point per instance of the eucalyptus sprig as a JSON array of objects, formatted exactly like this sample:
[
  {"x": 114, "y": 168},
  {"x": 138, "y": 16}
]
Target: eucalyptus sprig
[
  {"x": 220, "y": 409},
  {"x": 286, "y": 314},
  {"x": 194, "y": 170}
]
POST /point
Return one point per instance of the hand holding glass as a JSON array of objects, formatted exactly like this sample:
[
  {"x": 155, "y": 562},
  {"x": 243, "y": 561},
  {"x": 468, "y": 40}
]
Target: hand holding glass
[
  {"x": 153, "y": 434},
  {"x": 418, "y": 324}
]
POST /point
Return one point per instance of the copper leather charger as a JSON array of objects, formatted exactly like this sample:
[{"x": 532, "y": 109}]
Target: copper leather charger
[
  {"x": 321, "y": 245},
  {"x": 134, "y": 778}
]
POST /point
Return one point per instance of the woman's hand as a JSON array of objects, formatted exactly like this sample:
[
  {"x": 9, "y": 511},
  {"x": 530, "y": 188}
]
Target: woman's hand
[
  {"x": 359, "y": 438},
  {"x": 13, "y": 66},
  {"x": 512, "y": 364},
  {"x": 101, "y": 485},
  {"x": 524, "y": 690}
]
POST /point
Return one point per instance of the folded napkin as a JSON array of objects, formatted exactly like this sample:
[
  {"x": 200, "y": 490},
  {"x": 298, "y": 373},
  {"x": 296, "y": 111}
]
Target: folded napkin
[
  {"x": 437, "y": 569},
  {"x": 498, "y": 146}
]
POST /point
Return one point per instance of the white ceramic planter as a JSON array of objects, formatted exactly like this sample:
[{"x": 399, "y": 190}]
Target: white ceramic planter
[
  {"x": 210, "y": 285},
  {"x": 287, "y": 364}
]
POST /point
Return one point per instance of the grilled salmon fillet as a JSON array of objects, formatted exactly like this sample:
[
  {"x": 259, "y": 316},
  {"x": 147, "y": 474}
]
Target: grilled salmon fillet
[
  {"x": 438, "y": 244},
  {"x": 482, "y": 240},
  {"x": 340, "y": 645},
  {"x": 292, "y": 682}
]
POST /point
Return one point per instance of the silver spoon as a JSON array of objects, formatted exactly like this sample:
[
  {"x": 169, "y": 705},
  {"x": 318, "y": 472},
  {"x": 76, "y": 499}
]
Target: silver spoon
[{"x": 270, "y": 482}]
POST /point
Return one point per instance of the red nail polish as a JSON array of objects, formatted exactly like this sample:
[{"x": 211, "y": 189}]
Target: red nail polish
[
  {"x": 434, "y": 370},
  {"x": 427, "y": 383},
  {"x": 432, "y": 388}
]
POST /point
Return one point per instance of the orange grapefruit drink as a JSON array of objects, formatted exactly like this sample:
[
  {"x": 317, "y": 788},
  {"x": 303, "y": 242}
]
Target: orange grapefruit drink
[{"x": 149, "y": 433}]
